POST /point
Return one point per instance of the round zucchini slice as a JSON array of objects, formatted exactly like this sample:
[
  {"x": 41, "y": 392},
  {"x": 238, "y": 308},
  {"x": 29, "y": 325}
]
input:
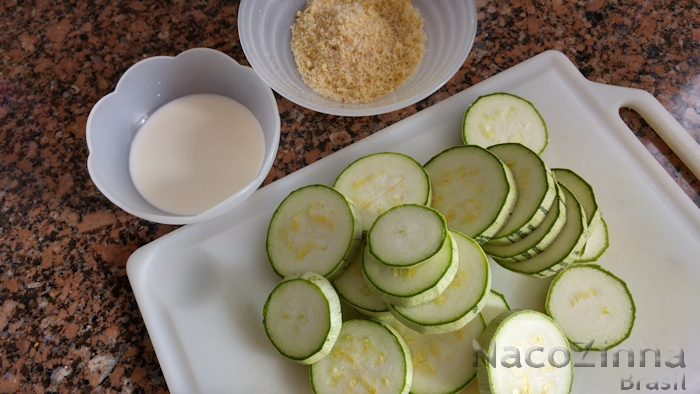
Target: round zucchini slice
[
  {"x": 380, "y": 181},
  {"x": 473, "y": 190},
  {"x": 442, "y": 363},
  {"x": 368, "y": 357},
  {"x": 541, "y": 364},
  {"x": 316, "y": 229},
  {"x": 591, "y": 305},
  {"x": 503, "y": 117},
  {"x": 302, "y": 317},
  {"x": 407, "y": 235}
]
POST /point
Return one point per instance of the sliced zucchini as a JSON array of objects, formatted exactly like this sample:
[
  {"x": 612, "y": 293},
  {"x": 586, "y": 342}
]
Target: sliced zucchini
[
  {"x": 442, "y": 363},
  {"x": 415, "y": 285},
  {"x": 314, "y": 229},
  {"x": 368, "y": 357},
  {"x": 407, "y": 235},
  {"x": 591, "y": 304},
  {"x": 536, "y": 241},
  {"x": 537, "y": 191},
  {"x": 563, "y": 251},
  {"x": 380, "y": 181},
  {"x": 503, "y": 117},
  {"x": 596, "y": 244},
  {"x": 584, "y": 193},
  {"x": 352, "y": 288},
  {"x": 473, "y": 189},
  {"x": 495, "y": 305},
  {"x": 460, "y": 302},
  {"x": 302, "y": 317},
  {"x": 536, "y": 338}
]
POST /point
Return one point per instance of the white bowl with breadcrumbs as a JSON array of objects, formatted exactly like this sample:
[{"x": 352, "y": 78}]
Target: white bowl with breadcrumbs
[{"x": 264, "y": 28}]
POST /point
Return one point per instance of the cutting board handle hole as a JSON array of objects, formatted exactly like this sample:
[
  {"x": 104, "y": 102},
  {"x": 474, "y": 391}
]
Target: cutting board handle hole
[{"x": 658, "y": 148}]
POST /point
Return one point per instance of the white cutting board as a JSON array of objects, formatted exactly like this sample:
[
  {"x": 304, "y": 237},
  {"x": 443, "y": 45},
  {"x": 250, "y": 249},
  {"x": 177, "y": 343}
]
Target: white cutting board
[{"x": 202, "y": 287}]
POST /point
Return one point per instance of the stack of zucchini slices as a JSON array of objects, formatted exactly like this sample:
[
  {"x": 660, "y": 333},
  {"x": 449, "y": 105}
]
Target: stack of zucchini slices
[
  {"x": 555, "y": 228},
  {"x": 374, "y": 242},
  {"x": 406, "y": 245}
]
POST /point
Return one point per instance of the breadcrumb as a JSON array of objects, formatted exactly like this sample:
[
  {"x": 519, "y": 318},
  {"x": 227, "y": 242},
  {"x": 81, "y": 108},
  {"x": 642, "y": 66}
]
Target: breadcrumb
[{"x": 356, "y": 51}]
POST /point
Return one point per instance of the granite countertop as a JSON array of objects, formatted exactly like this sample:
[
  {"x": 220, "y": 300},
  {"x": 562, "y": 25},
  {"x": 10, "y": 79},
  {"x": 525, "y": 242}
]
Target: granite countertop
[{"x": 68, "y": 318}]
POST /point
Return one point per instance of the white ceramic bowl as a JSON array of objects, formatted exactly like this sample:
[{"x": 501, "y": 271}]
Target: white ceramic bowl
[
  {"x": 148, "y": 85},
  {"x": 265, "y": 34}
]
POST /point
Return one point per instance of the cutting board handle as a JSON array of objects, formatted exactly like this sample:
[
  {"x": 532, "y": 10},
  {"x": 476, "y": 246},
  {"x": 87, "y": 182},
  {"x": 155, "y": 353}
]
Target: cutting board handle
[{"x": 665, "y": 125}]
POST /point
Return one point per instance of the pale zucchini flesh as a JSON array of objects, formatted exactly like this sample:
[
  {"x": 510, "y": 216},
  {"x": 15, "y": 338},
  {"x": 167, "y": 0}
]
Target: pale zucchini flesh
[
  {"x": 597, "y": 243},
  {"x": 380, "y": 181},
  {"x": 415, "y": 285},
  {"x": 368, "y": 357},
  {"x": 407, "y": 235},
  {"x": 563, "y": 251},
  {"x": 461, "y": 301},
  {"x": 496, "y": 304},
  {"x": 537, "y": 191},
  {"x": 473, "y": 190},
  {"x": 536, "y": 241},
  {"x": 302, "y": 317},
  {"x": 353, "y": 289},
  {"x": 526, "y": 331},
  {"x": 593, "y": 307},
  {"x": 442, "y": 363},
  {"x": 503, "y": 117},
  {"x": 314, "y": 229}
]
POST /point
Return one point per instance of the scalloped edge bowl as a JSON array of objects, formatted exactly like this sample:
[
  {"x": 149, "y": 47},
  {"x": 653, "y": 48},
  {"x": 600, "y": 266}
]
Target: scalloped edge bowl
[{"x": 148, "y": 85}]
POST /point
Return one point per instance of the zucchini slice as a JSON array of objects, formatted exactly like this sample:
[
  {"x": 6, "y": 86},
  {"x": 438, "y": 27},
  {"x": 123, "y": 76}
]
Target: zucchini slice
[
  {"x": 597, "y": 240},
  {"x": 314, "y": 229},
  {"x": 583, "y": 192},
  {"x": 503, "y": 117},
  {"x": 537, "y": 191},
  {"x": 415, "y": 285},
  {"x": 536, "y": 337},
  {"x": 563, "y": 251},
  {"x": 591, "y": 304},
  {"x": 536, "y": 241},
  {"x": 596, "y": 244},
  {"x": 496, "y": 304},
  {"x": 368, "y": 357},
  {"x": 442, "y": 363},
  {"x": 302, "y": 317},
  {"x": 473, "y": 189},
  {"x": 407, "y": 235},
  {"x": 380, "y": 181},
  {"x": 352, "y": 288},
  {"x": 460, "y": 302}
]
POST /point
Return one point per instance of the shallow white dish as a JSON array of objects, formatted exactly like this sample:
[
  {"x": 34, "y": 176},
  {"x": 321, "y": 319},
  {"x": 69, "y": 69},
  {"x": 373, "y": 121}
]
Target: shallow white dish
[
  {"x": 152, "y": 83},
  {"x": 201, "y": 288},
  {"x": 265, "y": 34}
]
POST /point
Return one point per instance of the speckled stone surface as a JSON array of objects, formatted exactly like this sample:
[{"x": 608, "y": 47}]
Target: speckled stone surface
[{"x": 68, "y": 318}]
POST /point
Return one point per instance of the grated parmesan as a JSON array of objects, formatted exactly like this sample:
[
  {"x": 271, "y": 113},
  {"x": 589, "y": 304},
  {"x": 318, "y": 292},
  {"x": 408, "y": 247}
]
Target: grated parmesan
[{"x": 357, "y": 51}]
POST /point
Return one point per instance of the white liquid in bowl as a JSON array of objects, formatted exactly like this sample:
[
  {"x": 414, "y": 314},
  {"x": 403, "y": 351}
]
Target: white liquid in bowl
[{"x": 194, "y": 152}]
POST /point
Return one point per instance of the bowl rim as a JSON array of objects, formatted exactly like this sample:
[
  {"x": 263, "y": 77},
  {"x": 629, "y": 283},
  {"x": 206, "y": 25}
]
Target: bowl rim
[
  {"x": 223, "y": 206},
  {"x": 245, "y": 36}
]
